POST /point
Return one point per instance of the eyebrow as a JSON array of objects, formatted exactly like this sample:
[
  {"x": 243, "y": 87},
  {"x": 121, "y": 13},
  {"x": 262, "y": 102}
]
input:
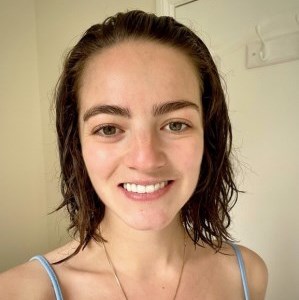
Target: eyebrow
[
  {"x": 158, "y": 110},
  {"x": 106, "y": 109},
  {"x": 170, "y": 106}
]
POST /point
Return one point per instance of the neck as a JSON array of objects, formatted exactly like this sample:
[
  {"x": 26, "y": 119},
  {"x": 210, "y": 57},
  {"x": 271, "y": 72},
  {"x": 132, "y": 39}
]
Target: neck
[{"x": 137, "y": 251}]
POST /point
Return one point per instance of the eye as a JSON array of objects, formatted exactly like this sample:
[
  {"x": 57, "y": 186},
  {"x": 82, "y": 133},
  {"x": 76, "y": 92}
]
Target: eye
[
  {"x": 176, "y": 126},
  {"x": 107, "y": 130}
]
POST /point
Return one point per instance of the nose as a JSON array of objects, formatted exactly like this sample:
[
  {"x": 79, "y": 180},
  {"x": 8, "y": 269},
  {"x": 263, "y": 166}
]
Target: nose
[{"x": 145, "y": 153}]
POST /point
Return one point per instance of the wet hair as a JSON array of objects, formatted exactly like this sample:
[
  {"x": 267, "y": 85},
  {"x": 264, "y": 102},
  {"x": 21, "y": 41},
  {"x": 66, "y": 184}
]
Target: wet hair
[{"x": 206, "y": 214}]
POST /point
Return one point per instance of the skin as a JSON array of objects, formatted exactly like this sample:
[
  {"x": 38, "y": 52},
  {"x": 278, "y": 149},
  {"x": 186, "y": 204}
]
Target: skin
[
  {"x": 144, "y": 148},
  {"x": 146, "y": 239}
]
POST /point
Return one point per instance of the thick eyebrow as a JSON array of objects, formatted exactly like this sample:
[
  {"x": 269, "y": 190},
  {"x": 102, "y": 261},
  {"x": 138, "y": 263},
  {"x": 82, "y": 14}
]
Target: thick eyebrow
[
  {"x": 158, "y": 110},
  {"x": 106, "y": 109},
  {"x": 173, "y": 106}
]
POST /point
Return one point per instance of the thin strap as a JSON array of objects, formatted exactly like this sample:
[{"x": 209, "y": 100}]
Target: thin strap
[
  {"x": 51, "y": 274},
  {"x": 242, "y": 270}
]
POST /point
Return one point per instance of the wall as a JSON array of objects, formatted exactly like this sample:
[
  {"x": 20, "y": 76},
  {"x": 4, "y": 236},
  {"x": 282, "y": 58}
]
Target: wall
[
  {"x": 35, "y": 36},
  {"x": 264, "y": 106},
  {"x": 23, "y": 230}
]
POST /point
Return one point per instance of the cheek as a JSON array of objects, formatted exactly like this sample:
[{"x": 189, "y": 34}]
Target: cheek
[
  {"x": 99, "y": 160},
  {"x": 189, "y": 155}
]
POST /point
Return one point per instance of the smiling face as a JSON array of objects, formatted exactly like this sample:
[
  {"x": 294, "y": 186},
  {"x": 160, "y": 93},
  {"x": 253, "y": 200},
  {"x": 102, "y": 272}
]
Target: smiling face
[{"x": 141, "y": 131}]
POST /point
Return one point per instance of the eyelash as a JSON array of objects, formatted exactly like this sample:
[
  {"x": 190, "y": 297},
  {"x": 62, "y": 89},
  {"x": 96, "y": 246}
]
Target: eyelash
[
  {"x": 98, "y": 130},
  {"x": 184, "y": 124}
]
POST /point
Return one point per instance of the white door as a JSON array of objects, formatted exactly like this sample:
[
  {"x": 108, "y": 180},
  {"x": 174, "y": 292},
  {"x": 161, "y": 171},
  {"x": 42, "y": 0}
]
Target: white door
[{"x": 264, "y": 109}]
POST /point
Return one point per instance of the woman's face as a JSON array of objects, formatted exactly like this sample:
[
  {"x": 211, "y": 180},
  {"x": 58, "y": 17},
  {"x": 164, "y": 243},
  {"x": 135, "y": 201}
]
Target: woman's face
[{"x": 141, "y": 131}]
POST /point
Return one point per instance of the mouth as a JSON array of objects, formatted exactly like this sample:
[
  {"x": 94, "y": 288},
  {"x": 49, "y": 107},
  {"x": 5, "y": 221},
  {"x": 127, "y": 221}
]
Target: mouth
[{"x": 145, "y": 189}]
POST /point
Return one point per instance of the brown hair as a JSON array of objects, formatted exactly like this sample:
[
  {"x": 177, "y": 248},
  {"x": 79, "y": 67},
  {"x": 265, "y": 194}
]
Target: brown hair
[{"x": 206, "y": 215}]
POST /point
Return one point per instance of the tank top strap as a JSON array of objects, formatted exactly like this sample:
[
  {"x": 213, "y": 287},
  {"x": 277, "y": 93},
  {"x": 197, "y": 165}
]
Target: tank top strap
[
  {"x": 51, "y": 274},
  {"x": 242, "y": 270}
]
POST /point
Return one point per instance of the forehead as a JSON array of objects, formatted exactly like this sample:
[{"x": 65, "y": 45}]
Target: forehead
[{"x": 141, "y": 68}]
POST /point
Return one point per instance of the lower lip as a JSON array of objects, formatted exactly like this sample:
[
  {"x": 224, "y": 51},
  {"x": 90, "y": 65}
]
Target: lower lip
[{"x": 147, "y": 196}]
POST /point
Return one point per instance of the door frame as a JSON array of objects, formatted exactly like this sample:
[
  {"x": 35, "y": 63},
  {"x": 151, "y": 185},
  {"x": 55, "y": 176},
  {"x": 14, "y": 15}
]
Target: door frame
[{"x": 168, "y": 7}]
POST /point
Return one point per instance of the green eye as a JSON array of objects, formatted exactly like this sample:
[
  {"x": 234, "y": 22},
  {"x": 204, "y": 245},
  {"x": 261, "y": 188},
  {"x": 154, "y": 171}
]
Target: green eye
[
  {"x": 176, "y": 126},
  {"x": 107, "y": 130}
]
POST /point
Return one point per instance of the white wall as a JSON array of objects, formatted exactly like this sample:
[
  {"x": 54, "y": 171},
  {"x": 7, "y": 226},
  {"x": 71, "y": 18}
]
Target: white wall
[
  {"x": 264, "y": 108},
  {"x": 23, "y": 230},
  {"x": 34, "y": 37}
]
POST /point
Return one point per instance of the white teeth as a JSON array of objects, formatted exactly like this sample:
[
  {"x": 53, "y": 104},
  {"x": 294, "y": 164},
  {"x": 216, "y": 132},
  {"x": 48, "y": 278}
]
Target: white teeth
[
  {"x": 133, "y": 188},
  {"x": 149, "y": 188},
  {"x": 142, "y": 189}
]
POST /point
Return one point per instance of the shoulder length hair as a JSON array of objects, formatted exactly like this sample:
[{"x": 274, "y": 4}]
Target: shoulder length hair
[{"x": 206, "y": 215}]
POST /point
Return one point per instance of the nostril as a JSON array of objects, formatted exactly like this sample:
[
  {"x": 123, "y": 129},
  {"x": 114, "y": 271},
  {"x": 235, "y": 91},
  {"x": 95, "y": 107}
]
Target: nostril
[{"x": 145, "y": 159}]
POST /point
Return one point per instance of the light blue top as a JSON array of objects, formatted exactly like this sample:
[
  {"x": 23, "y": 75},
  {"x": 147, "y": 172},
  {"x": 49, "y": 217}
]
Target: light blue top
[
  {"x": 58, "y": 293},
  {"x": 242, "y": 271},
  {"x": 51, "y": 274}
]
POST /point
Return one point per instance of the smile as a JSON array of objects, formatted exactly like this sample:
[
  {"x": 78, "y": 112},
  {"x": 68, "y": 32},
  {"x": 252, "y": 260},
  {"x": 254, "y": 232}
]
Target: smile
[{"x": 144, "y": 189}]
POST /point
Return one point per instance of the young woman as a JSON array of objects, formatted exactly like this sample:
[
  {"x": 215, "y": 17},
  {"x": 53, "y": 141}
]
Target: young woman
[{"x": 145, "y": 141}]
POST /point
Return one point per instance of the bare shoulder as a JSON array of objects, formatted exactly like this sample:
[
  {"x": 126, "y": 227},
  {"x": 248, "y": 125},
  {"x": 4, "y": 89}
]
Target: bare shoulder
[
  {"x": 26, "y": 281},
  {"x": 257, "y": 273},
  {"x": 224, "y": 272},
  {"x": 256, "y": 269},
  {"x": 30, "y": 280},
  {"x": 62, "y": 252}
]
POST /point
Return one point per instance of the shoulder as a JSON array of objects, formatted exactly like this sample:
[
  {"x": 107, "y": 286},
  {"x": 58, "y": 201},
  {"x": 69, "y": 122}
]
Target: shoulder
[
  {"x": 62, "y": 252},
  {"x": 256, "y": 272},
  {"x": 255, "y": 267},
  {"x": 30, "y": 280},
  {"x": 26, "y": 281},
  {"x": 224, "y": 272}
]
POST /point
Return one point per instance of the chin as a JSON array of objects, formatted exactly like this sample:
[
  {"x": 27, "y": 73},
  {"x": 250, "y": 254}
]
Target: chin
[{"x": 149, "y": 222}]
